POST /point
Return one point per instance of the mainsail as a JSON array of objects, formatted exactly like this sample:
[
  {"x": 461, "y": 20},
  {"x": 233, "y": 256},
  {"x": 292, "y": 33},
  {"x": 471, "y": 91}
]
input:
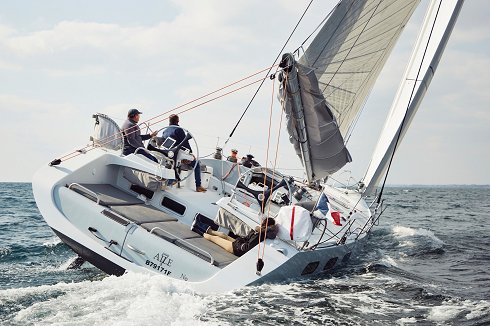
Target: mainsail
[
  {"x": 346, "y": 57},
  {"x": 350, "y": 50}
]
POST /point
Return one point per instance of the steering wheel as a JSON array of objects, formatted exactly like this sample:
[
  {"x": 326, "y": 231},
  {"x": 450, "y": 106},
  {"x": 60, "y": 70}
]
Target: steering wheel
[
  {"x": 174, "y": 153},
  {"x": 262, "y": 196}
]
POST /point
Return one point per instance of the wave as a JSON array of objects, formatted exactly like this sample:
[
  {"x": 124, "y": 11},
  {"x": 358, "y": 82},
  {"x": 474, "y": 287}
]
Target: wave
[
  {"x": 463, "y": 310},
  {"x": 132, "y": 299},
  {"x": 52, "y": 242},
  {"x": 402, "y": 232},
  {"x": 4, "y": 251}
]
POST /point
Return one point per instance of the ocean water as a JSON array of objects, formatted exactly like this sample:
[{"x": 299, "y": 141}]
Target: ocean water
[{"x": 427, "y": 263}]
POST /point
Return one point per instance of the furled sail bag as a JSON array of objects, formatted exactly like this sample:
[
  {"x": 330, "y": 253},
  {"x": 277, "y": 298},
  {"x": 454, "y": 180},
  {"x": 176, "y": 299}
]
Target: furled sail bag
[{"x": 294, "y": 223}]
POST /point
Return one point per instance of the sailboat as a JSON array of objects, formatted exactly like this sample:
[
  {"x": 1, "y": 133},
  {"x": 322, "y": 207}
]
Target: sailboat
[{"x": 129, "y": 213}]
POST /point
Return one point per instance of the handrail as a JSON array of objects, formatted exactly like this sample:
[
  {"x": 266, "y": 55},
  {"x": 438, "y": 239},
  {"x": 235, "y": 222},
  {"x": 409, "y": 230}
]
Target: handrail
[
  {"x": 96, "y": 195},
  {"x": 345, "y": 229},
  {"x": 173, "y": 235},
  {"x": 136, "y": 250}
]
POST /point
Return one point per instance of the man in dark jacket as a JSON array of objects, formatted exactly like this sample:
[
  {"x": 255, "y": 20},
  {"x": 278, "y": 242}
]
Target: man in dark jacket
[
  {"x": 178, "y": 134},
  {"x": 249, "y": 162},
  {"x": 132, "y": 135}
]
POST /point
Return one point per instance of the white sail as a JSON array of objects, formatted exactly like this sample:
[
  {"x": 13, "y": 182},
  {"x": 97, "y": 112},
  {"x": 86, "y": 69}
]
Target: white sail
[
  {"x": 432, "y": 40},
  {"x": 350, "y": 50}
]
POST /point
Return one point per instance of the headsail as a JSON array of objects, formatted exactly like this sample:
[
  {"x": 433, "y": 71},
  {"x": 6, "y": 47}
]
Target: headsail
[
  {"x": 350, "y": 50},
  {"x": 432, "y": 40}
]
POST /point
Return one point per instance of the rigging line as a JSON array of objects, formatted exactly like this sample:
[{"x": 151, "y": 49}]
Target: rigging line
[
  {"x": 91, "y": 147},
  {"x": 370, "y": 39},
  {"x": 355, "y": 42},
  {"x": 177, "y": 107},
  {"x": 270, "y": 69},
  {"x": 350, "y": 129},
  {"x": 317, "y": 28},
  {"x": 265, "y": 174},
  {"x": 212, "y": 99},
  {"x": 216, "y": 91},
  {"x": 268, "y": 145},
  {"x": 274, "y": 169},
  {"x": 331, "y": 36},
  {"x": 409, "y": 103}
]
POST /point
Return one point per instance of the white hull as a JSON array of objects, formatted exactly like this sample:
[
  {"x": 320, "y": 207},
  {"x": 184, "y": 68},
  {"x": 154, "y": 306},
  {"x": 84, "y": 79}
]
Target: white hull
[{"x": 116, "y": 244}]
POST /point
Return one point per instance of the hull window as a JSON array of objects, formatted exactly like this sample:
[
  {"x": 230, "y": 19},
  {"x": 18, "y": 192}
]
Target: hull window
[
  {"x": 310, "y": 268},
  {"x": 346, "y": 257},
  {"x": 142, "y": 191},
  {"x": 173, "y": 205},
  {"x": 330, "y": 263}
]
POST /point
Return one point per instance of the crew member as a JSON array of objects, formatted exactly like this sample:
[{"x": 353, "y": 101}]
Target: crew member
[
  {"x": 176, "y": 132},
  {"x": 232, "y": 157},
  {"x": 133, "y": 138},
  {"x": 249, "y": 162}
]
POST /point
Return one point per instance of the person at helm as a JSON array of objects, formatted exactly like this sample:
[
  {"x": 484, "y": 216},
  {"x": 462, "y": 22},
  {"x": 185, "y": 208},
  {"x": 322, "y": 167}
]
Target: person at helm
[
  {"x": 175, "y": 132},
  {"x": 133, "y": 138}
]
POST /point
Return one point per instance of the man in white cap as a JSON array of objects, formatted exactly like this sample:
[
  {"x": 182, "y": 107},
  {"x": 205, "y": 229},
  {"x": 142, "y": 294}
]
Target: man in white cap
[{"x": 132, "y": 135}]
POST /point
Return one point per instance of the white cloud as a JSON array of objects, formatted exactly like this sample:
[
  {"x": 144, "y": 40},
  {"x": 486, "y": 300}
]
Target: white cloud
[{"x": 59, "y": 75}]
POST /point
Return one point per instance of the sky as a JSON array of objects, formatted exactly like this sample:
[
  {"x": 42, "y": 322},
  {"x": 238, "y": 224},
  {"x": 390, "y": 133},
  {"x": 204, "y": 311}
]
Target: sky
[{"x": 61, "y": 61}]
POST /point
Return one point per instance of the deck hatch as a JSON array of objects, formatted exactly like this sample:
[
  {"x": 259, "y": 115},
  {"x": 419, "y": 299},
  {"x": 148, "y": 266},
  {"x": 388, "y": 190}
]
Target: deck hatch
[{"x": 115, "y": 217}]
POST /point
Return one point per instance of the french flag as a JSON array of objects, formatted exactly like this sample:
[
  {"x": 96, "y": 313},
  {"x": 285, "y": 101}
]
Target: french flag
[{"x": 324, "y": 207}]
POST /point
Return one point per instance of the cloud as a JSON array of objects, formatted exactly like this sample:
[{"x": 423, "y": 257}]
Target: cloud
[{"x": 56, "y": 76}]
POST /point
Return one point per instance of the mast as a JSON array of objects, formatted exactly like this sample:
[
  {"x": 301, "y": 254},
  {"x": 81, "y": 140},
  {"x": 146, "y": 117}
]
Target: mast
[
  {"x": 431, "y": 42},
  {"x": 291, "y": 84},
  {"x": 312, "y": 127}
]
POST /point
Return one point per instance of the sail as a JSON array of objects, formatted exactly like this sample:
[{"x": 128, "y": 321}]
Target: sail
[
  {"x": 438, "y": 24},
  {"x": 312, "y": 127},
  {"x": 351, "y": 48},
  {"x": 107, "y": 133},
  {"x": 324, "y": 91}
]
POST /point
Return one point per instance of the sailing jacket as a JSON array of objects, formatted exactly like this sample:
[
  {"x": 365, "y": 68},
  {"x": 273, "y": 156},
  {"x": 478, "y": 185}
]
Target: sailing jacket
[
  {"x": 177, "y": 133},
  {"x": 132, "y": 137}
]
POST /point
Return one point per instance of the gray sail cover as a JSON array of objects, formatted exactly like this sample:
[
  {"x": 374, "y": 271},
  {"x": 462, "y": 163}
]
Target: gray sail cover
[
  {"x": 323, "y": 152},
  {"x": 107, "y": 133}
]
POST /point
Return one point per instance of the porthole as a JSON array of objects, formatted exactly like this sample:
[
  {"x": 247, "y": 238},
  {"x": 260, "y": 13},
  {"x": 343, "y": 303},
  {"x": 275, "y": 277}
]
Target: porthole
[
  {"x": 330, "y": 263},
  {"x": 310, "y": 268}
]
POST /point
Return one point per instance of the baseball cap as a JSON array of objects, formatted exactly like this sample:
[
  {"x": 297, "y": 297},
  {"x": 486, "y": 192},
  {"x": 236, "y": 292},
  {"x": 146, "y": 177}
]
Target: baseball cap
[{"x": 133, "y": 112}]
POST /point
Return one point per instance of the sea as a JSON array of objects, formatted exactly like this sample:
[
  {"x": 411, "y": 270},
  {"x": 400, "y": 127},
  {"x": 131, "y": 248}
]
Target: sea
[{"x": 426, "y": 263}]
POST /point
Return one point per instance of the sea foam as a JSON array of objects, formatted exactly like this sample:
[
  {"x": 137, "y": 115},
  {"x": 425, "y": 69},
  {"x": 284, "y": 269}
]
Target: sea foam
[{"x": 133, "y": 299}]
